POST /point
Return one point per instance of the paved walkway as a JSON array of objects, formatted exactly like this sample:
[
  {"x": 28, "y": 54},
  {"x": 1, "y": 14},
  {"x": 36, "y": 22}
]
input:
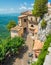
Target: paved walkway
[{"x": 23, "y": 57}]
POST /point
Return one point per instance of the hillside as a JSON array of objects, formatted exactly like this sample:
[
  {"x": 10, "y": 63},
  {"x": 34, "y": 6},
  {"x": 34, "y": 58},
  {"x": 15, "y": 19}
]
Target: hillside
[{"x": 42, "y": 33}]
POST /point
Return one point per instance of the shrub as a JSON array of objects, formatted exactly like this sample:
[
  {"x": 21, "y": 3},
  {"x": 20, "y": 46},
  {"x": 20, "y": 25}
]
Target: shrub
[
  {"x": 43, "y": 24},
  {"x": 11, "y": 46},
  {"x": 11, "y": 24}
]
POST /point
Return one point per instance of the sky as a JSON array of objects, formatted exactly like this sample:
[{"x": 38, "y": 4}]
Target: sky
[{"x": 15, "y": 6}]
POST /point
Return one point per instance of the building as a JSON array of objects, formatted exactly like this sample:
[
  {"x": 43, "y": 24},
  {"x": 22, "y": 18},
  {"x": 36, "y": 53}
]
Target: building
[
  {"x": 16, "y": 31},
  {"x": 37, "y": 47},
  {"x": 26, "y": 24},
  {"x": 49, "y": 8}
]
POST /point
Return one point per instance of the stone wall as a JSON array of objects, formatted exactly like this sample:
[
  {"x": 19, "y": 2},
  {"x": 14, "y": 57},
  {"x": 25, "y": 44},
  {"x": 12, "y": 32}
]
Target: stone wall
[{"x": 42, "y": 33}]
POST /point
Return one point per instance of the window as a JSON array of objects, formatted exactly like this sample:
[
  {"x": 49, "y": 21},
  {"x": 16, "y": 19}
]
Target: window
[
  {"x": 35, "y": 55},
  {"x": 24, "y": 20},
  {"x": 32, "y": 26}
]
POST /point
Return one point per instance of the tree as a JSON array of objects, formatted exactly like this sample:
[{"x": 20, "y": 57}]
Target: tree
[
  {"x": 39, "y": 8},
  {"x": 2, "y": 53},
  {"x": 0, "y": 40},
  {"x": 11, "y": 24},
  {"x": 10, "y": 45},
  {"x": 15, "y": 44},
  {"x": 43, "y": 24},
  {"x": 2, "y": 50}
]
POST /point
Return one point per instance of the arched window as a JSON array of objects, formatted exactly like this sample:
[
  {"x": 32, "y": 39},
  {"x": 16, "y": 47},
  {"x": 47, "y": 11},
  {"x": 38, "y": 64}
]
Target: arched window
[
  {"x": 32, "y": 26},
  {"x": 25, "y": 20}
]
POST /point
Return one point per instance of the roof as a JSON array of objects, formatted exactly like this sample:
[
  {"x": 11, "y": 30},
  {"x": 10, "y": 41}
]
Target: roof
[
  {"x": 27, "y": 13},
  {"x": 24, "y": 14},
  {"x": 38, "y": 45},
  {"x": 21, "y": 16},
  {"x": 49, "y": 5},
  {"x": 17, "y": 28}
]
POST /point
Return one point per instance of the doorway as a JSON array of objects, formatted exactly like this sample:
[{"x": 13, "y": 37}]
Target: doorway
[{"x": 25, "y": 30}]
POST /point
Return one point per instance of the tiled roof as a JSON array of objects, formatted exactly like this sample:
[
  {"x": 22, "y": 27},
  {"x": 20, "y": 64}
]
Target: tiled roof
[
  {"x": 27, "y": 13},
  {"x": 21, "y": 16},
  {"x": 17, "y": 28},
  {"x": 37, "y": 45}
]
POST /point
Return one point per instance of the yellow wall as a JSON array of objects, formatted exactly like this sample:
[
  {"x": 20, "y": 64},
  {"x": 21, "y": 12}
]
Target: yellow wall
[
  {"x": 22, "y": 23},
  {"x": 20, "y": 33},
  {"x": 33, "y": 18}
]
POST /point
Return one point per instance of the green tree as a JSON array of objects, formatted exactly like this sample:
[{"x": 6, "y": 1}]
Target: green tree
[
  {"x": 10, "y": 45},
  {"x": 15, "y": 44},
  {"x": 1, "y": 52},
  {"x": 0, "y": 40},
  {"x": 39, "y": 8},
  {"x": 43, "y": 24},
  {"x": 11, "y": 24}
]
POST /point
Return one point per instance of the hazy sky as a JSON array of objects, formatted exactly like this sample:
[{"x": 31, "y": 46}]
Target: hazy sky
[{"x": 15, "y": 6}]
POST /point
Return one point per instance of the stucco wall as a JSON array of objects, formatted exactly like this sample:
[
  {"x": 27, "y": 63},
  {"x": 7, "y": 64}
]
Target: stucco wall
[
  {"x": 19, "y": 22},
  {"x": 19, "y": 33},
  {"x": 24, "y": 24},
  {"x": 33, "y": 18},
  {"x": 13, "y": 34},
  {"x": 29, "y": 26}
]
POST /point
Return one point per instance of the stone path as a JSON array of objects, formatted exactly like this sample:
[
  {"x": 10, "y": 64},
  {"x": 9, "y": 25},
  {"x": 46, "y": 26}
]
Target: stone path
[
  {"x": 24, "y": 60},
  {"x": 23, "y": 57}
]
